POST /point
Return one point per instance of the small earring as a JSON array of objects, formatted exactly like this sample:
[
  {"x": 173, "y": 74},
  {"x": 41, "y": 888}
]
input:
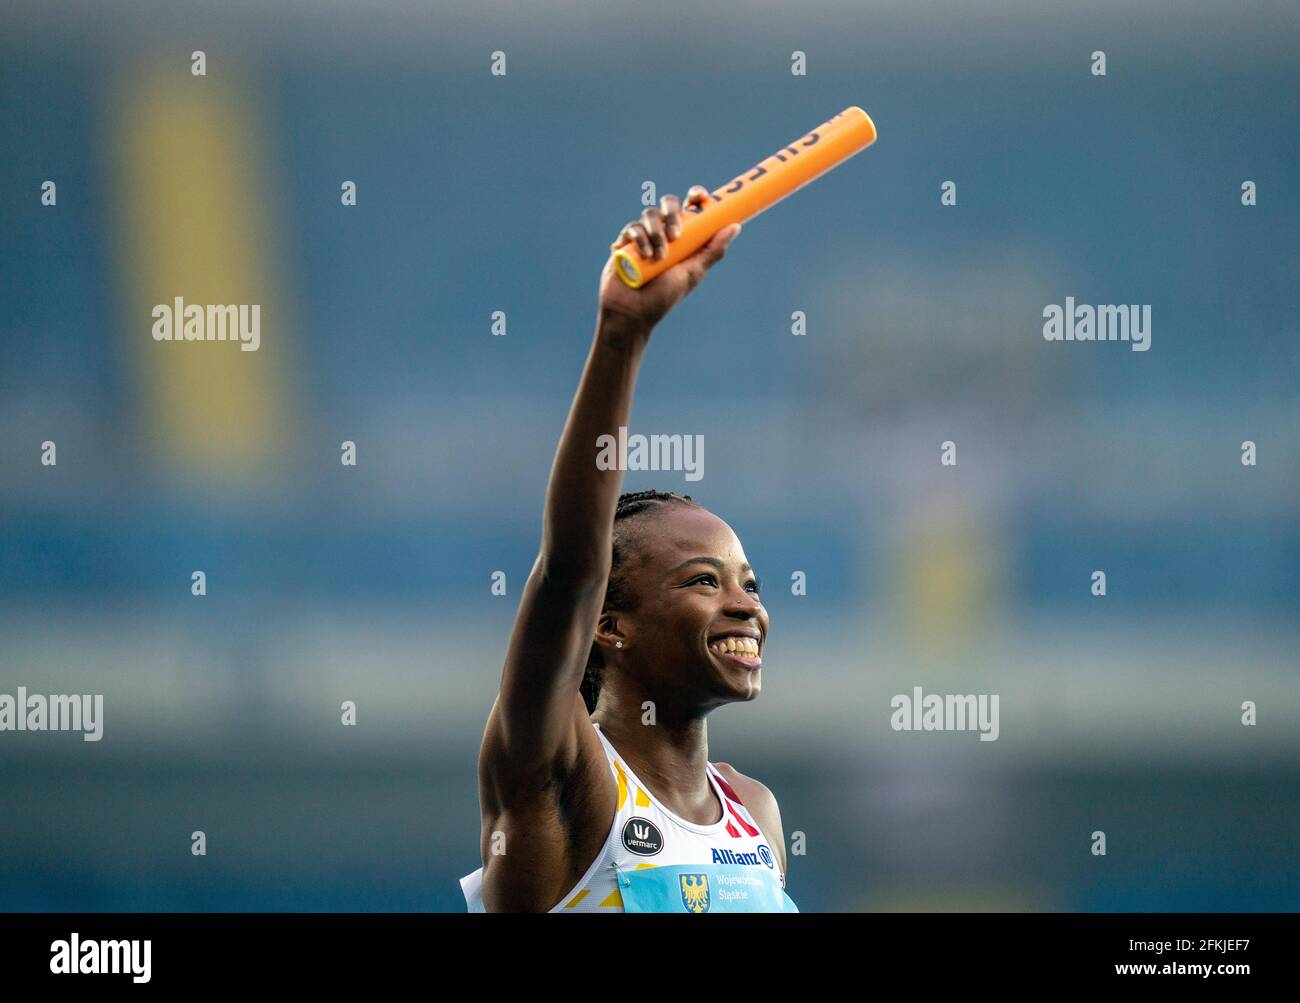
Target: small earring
[{"x": 618, "y": 644}]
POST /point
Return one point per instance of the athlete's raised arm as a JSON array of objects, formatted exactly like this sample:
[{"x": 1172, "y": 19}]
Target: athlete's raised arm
[{"x": 532, "y": 734}]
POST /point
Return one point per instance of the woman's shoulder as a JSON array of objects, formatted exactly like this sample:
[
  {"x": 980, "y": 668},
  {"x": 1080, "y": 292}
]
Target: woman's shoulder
[{"x": 747, "y": 788}]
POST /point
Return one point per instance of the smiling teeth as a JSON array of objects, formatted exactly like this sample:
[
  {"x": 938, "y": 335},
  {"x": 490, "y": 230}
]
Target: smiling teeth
[{"x": 736, "y": 646}]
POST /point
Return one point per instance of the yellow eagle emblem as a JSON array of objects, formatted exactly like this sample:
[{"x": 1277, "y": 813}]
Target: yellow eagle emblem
[{"x": 695, "y": 892}]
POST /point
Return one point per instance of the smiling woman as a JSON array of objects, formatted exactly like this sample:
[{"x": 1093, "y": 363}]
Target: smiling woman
[
  {"x": 680, "y": 626},
  {"x": 644, "y": 522},
  {"x": 641, "y": 616}
]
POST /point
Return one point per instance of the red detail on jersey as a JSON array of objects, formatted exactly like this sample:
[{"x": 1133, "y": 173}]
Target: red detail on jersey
[
  {"x": 727, "y": 789},
  {"x": 732, "y": 831},
  {"x": 743, "y": 824}
]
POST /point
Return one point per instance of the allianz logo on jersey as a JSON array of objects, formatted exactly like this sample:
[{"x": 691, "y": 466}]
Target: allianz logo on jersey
[{"x": 762, "y": 856}]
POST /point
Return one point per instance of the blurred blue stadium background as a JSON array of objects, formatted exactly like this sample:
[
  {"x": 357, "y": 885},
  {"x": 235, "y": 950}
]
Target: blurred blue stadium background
[{"x": 479, "y": 194}]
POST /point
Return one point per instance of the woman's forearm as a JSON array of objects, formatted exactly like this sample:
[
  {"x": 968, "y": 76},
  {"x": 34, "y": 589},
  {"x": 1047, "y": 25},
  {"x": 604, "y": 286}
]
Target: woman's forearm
[{"x": 578, "y": 521}]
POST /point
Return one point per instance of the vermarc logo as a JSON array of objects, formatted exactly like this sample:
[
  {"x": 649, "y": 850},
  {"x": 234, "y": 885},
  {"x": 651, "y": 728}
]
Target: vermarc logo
[{"x": 642, "y": 837}]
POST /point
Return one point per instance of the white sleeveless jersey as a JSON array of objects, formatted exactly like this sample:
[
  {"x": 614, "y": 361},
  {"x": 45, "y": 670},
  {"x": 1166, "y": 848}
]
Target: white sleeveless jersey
[{"x": 645, "y": 834}]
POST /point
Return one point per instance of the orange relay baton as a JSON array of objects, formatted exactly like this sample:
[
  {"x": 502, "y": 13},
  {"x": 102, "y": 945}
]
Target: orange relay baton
[{"x": 784, "y": 172}]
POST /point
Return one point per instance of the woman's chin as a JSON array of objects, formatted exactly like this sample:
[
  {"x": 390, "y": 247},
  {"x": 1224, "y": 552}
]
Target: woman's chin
[
  {"x": 742, "y": 679},
  {"x": 745, "y": 687}
]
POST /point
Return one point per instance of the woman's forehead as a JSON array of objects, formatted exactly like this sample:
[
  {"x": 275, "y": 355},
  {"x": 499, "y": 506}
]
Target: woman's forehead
[{"x": 695, "y": 533}]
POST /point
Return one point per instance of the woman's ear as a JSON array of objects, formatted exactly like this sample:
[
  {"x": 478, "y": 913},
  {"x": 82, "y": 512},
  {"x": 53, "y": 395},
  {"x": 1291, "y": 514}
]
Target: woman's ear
[{"x": 609, "y": 632}]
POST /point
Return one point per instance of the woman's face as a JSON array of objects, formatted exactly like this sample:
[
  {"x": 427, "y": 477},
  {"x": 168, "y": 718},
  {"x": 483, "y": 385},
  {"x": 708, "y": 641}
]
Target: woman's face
[{"x": 696, "y": 589}]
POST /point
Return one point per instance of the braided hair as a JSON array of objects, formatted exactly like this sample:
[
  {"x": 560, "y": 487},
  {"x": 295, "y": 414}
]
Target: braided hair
[{"x": 617, "y": 594}]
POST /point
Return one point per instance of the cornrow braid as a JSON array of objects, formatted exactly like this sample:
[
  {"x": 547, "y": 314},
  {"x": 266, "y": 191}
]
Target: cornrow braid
[{"x": 617, "y": 594}]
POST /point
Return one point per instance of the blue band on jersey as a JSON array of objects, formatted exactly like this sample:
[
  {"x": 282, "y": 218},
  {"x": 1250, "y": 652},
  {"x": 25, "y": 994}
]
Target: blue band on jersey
[{"x": 702, "y": 888}]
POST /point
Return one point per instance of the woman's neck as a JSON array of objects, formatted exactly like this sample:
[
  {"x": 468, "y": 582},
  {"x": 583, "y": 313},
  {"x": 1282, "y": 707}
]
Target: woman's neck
[{"x": 669, "y": 756}]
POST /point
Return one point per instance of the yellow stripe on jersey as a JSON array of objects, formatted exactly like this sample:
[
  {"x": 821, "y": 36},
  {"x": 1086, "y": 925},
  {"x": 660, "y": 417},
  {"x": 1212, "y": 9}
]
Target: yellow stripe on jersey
[{"x": 622, "y": 784}]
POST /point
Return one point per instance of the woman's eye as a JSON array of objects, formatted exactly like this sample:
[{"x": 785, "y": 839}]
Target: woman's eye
[{"x": 710, "y": 579}]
